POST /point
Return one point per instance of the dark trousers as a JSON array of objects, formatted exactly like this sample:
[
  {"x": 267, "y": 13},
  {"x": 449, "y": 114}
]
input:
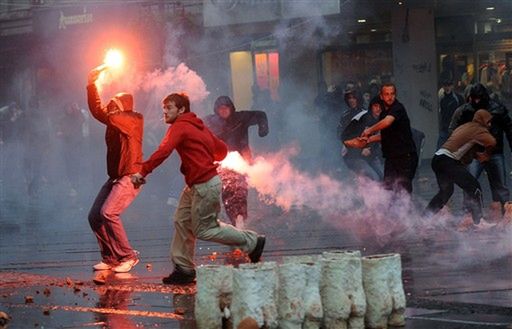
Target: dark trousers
[
  {"x": 449, "y": 172},
  {"x": 399, "y": 172}
]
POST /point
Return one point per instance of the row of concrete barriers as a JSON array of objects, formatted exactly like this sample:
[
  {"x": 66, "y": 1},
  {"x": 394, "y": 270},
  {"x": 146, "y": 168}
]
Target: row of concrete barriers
[{"x": 337, "y": 289}]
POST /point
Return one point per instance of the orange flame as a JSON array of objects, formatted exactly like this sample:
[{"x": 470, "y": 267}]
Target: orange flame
[
  {"x": 234, "y": 161},
  {"x": 112, "y": 64},
  {"x": 113, "y": 59}
]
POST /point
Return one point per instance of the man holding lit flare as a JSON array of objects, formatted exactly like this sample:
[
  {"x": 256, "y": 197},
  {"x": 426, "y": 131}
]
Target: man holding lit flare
[{"x": 123, "y": 136}]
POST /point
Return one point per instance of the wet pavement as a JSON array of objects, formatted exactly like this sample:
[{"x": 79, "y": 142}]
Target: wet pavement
[{"x": 452, "y": 279}]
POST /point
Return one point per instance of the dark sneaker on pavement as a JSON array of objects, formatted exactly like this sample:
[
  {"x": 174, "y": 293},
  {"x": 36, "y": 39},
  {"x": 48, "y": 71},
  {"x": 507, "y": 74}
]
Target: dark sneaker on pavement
[
  {"x": 180, "y": 277},
  {"x": 255, "y": 255}
]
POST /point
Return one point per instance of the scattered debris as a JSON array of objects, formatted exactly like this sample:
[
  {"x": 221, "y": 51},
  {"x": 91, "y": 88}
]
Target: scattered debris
[
  {"x": 29, "y": 299},
  {"x": 4, "y": 318}
]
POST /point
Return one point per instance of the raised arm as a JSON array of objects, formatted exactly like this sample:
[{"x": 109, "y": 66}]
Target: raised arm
[{"x": 93, "y": 97}]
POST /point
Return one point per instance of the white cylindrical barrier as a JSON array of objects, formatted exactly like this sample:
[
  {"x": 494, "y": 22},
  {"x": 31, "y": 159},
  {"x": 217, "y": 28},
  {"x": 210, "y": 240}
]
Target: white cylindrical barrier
[
  {"x": 255, "y": 294},
  {"x": 385, "y": 296},
  {"x": 214, "y": 289},
  {"x": 353, "y": 283},
  {"x": 341, "y": 253},
  {"x": 313, "y": 315},
  {"x": 290, "y": 306},
  {"x": 335, "y": 302}
]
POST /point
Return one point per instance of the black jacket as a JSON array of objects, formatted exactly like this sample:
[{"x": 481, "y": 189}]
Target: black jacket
[
  {"x": 501, "y": 122},
  {"x": 447, "y": 106},
  {"x": 234, "y": 130}
]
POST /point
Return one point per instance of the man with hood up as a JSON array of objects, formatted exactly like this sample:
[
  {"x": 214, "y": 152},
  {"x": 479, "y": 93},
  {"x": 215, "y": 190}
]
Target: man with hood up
[
  {"x": 232, "y": 128},
  {"x": 468, "y": 141},
  {"x": 199, "y": 204},
  {"x": 123, "y": 137},
  {"x": 366, "y": 161}
]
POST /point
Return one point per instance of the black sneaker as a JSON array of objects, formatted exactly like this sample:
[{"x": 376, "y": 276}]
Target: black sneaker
[
  {"x": 180, "y": 277},
  {"x": 255, "y": 255}
]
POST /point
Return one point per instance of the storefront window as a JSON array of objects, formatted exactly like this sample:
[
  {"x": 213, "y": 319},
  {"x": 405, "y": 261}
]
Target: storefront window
[{"x": 266, "y": 66}]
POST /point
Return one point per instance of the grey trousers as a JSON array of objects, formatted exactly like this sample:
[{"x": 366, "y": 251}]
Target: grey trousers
[{"x": 196, "y": 218}]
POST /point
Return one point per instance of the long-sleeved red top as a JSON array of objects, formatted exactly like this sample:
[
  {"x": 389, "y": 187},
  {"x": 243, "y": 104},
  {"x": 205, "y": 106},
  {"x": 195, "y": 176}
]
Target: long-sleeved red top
[
  {"x": 123, "y": 136},
  {"x": 197, "y": 147}
]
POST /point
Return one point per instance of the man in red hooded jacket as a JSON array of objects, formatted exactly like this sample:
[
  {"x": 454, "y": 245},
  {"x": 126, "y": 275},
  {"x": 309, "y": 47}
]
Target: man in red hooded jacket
[
  {"x": 199, "y": 205},
  {"x": 123, "y": 137}
]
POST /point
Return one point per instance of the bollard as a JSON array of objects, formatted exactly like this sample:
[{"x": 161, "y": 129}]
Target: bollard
[
  {"x": 255, "y": 294},
  {"x": 213, "y": 296},
  {"x": 335, "y": 302},
  {"x": 385, "y": 297},
  {"x": 349, "y": 283},
  {"x": 290, "y": 306},
  {"x": 313, "y": 311}
]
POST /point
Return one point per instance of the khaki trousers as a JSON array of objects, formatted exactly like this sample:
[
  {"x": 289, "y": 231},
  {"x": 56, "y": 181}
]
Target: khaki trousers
[{"x": 196, "y": 218}]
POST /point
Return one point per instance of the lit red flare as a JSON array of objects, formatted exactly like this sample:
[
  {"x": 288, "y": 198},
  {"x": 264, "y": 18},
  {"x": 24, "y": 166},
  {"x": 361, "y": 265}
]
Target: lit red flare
[
  {"x": 112, "y": 64},
  {"x": 114, "y": 59},
  {"x": 234, "y": 161}
]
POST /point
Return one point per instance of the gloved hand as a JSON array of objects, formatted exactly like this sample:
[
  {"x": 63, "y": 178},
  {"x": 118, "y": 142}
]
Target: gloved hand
[{"x": 138, "y": 180}]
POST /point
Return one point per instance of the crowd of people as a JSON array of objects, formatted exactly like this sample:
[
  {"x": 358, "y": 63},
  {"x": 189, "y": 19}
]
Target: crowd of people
[
  {"x": 472, "y": 130},
  {"x": 371, "y": 130}
]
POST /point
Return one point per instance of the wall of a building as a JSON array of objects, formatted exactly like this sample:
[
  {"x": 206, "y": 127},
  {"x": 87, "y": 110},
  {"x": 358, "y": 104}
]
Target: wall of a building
[{"x": 415, "y": 70}]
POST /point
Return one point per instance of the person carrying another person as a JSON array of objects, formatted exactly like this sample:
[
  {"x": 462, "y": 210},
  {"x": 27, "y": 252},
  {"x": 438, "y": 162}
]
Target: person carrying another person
[
  {"x": 232, "y": 126},
  {"x": 469, "y": 141},
  {"x": 199, "y": 204},
  {"x": 123, "y": 137}
]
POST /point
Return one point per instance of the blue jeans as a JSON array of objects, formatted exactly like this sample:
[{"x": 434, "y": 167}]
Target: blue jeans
[
  {"x": 372, "y": 168},
  {"x": 496, "y": 173},
  {"x": 105, "y": 219}
]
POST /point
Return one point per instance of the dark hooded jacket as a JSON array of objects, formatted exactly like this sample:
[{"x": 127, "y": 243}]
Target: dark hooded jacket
[
  {"x": 234, "y": 130},
  {"x": 123, "y": 135},
  {"x": 501, "y": 121},
  {"x": 197, "y": 146}
]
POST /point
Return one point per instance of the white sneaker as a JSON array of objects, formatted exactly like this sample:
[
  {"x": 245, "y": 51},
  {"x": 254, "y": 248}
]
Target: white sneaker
[
  {"x": 484, "y": 225},
  {"x": 102, "y": 266},
  {"x": 126, "y": 266}
]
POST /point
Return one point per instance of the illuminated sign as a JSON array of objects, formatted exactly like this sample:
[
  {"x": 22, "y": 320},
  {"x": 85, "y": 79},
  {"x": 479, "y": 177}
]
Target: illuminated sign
[{"x": 84, "y": 18}]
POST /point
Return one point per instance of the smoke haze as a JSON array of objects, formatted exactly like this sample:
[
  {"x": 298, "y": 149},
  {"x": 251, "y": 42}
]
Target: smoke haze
[{"x": 48, "y": 162}]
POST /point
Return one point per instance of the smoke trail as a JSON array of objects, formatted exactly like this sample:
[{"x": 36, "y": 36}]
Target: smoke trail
[
  {"x": 367, "y": 210},
  {"x": 278, "y": 182}
]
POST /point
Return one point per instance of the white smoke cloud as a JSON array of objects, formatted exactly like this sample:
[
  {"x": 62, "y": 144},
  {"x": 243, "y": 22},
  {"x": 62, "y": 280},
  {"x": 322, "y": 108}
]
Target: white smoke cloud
[
  {"x": 365, "y": 207},
  {"x": 175, "y": 79}
]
